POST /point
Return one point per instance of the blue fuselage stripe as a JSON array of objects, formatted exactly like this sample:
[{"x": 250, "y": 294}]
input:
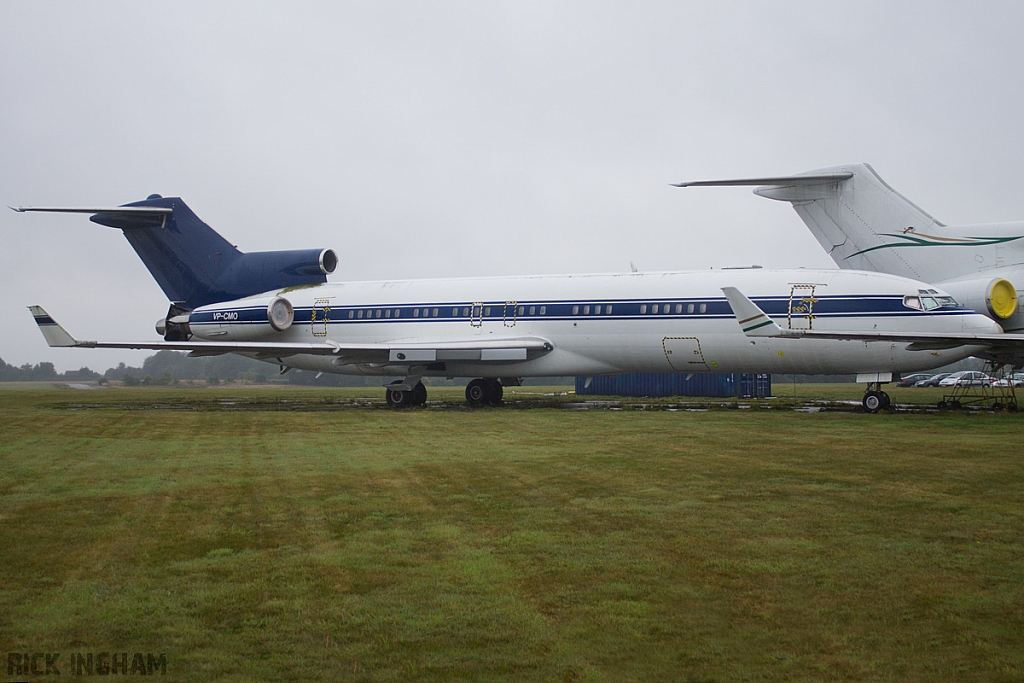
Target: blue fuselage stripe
[{"x": 604, "y": 309}]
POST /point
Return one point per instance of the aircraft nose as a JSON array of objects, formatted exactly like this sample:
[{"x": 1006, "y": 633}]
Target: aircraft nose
[{"x": 980, "y": 324}]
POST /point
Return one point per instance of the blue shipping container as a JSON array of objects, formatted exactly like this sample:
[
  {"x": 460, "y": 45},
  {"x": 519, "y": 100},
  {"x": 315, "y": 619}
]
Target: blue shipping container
[{"x": 676, "y": 384}]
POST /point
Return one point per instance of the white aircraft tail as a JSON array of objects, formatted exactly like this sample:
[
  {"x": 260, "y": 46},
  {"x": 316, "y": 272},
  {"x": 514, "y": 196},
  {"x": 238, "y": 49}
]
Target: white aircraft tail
[{"x": 861, "y": 222}]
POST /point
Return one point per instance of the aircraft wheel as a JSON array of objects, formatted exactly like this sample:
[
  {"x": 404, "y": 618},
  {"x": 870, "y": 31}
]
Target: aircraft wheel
[
  {"x": 476, "y": 392},
  {"x": 955, "y": 405},
  {"x": 886, "y": 401},
  {"x": 494, "y": 392},
  {"x": 942, "y": 405},
  {"x": 873, "y": 401},
  {"x": 997, "y": 406},
  {"x": 399, "y": 399},
  {"x": 419, "y": 394}
]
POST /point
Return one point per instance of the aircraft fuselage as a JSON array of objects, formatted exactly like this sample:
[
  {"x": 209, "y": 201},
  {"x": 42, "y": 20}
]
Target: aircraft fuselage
[{"x": 600, "y": 324}]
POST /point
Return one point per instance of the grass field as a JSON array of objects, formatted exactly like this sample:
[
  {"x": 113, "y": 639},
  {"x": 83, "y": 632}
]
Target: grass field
[{"x": 271, "y": 535}]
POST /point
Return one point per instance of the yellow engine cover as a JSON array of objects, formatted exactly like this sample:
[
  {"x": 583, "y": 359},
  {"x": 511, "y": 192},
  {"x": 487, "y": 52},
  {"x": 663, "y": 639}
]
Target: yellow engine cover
[{"x": 1001, "y": 298}]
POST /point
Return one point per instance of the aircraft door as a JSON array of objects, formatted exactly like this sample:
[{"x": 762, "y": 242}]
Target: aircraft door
[
  {"x": 801, "y": 306},
  {"x": 319, "y": 325},
  {"x": 684, "y": 354},
  {"x": 511, "y": 314},
  {"x": 476, "y": 317}
]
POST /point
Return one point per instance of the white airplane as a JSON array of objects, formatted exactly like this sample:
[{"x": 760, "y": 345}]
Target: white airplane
[
  {"x": 866, "y": 225},
  {"x": 277, "y": 307}
]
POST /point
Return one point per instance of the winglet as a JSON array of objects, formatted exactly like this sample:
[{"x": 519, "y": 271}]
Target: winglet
[
  {"x": 753, "y": 321},
  {"x": 54, "y": 334}
]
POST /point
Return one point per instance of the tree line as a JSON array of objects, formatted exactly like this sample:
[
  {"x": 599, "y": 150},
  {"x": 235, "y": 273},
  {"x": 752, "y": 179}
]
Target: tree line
[
  {"x": 172, "y": 367},
  {"x": 168, "y": 368}
]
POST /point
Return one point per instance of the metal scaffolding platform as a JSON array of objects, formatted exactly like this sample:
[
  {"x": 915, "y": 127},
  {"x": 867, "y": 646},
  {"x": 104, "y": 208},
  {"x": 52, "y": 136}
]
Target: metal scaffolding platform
[{"x": 997, "y": 396}]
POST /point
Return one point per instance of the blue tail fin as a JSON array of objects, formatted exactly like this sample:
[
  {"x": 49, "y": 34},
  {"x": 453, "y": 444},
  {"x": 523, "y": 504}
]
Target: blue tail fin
[{"x": 195, "y": 266}]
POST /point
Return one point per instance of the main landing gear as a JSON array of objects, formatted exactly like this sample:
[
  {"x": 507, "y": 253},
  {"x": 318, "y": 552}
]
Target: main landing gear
[
  {"x": 398, "y": 398},
  {"x": 484, "y": 392},
  {"x": 479, "y": 392},
  {"x": 875, "y": 399}
]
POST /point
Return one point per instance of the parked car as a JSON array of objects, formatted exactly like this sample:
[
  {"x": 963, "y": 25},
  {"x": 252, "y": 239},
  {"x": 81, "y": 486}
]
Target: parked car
[
  {"x": 912, "y": 380},
  {"x": 1017, "y": 380},
  {"x": 934, "y": 380},
  {"x": 967, "y": 378}
]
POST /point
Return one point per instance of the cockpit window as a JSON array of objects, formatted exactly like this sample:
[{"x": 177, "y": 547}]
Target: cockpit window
[
  {"x": 929, "y": 302},
  {"x": 912, "y": 302}
]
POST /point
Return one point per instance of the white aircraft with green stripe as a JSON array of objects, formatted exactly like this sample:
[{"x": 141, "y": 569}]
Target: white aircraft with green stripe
[{"x": 864, "y": 224}]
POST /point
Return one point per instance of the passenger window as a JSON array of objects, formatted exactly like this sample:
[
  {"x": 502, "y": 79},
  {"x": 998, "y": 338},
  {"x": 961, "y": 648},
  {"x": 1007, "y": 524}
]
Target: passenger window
[
  {"x": 487, "y": 311},
  {"x": 397, "y": 311},
  {"x": 415, "y": 312},
  {"x": 533, "y": 310},
  {"x": 435, "y": 312},
  {"x": 351, "y": 314},
  {"x": 643, "y": 308},
  {"x": 543, "y": 310},
  {"x": 608, "y": 309},
  {"x": 679, "y": 308},
  {"x": 378, "y": 313},
  {"x": 689, "y": 308},
  {"x": 455, "y": 312},
  {"x": 360, "y": 315},
  {"x": 465, "y": 312},
  {"x": 522, "y": 310},
  {"x": 654, "y": 308},
  {"x": 703, "y": 308},
  {"x": 387, "y": 313},
  {"x": 586, "y": 310},
  {"x": 575, "y": 310},
  {"x": 426, "y": 312}
]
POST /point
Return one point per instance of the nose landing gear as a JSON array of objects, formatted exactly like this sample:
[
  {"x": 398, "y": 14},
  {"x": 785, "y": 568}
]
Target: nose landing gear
[{"x": 875, "y": 399}]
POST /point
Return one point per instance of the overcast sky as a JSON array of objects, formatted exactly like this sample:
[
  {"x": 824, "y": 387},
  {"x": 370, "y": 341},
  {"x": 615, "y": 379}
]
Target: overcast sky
[{"x": 446, "y": 139}]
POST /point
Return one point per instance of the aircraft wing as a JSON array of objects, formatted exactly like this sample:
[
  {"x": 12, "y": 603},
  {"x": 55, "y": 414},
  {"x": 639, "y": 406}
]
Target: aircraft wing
[
  {"x": 392, "y": 353},
  {"x": 756, "y": 323}
]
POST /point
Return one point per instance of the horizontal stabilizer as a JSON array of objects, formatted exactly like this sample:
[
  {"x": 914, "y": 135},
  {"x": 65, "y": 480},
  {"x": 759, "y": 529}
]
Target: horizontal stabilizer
[
  {"x": 810, "y": 179},
  {"x": 122, "y": 217},
  {"x": 114, "y": 211}
]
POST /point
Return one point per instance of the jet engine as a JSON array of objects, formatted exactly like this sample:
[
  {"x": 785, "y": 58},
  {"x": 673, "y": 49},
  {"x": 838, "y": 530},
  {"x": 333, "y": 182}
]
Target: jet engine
[
  {"x": 243, "y": 319},
  {"x": 994, "y": 297}
]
